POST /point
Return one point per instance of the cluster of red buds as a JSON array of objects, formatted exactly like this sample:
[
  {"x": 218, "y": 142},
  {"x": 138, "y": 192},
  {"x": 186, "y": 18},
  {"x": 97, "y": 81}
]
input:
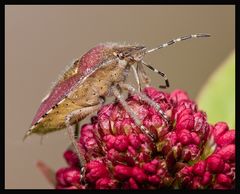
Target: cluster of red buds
[{"x": 188, "y": 152}]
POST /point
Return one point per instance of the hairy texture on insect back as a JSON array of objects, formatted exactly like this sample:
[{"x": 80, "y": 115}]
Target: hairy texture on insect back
[
  {"x": 91, "y": 58},
  {"x": 57, "y": 94},
  {"x": 99, "y": 57},
  {"x": 71, "y": 78}
]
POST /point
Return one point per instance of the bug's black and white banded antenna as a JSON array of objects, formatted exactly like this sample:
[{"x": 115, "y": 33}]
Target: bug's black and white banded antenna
[
  {"x": 199, "y": 35},
  {"x": 179, "y": 39},
  {"x": 160, "y": 73}
]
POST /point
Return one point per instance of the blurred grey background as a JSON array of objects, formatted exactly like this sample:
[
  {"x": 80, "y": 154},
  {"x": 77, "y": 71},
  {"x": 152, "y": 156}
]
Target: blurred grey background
[{"x": 41, "y": 40}]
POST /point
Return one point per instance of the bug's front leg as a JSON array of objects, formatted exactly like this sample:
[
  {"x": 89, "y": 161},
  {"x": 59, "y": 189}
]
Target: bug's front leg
[
  {"x": 160, "y": 73},
  {"x": 142, "y": 75},
  {"x": 136, "y": 75},
  {"x": 73, "y": 116},
  {"x": 145, "y": 98},
  {"x": 137, "y": 121}
]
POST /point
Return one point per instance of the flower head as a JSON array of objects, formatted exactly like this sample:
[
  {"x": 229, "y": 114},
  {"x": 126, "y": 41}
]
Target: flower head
[{"x": 187, "y": 153}]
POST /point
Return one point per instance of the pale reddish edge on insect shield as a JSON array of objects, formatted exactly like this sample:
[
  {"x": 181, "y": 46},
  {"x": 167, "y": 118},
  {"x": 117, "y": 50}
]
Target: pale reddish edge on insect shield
[{"x": 88, "y": 61}]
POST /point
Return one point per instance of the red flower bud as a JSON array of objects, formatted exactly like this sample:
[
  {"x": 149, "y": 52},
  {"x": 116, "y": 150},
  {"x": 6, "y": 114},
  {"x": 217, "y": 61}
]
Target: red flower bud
[
  {"x": 185, "y": 120},
  {"x": 199, "y": 168},
  {"x": 110, "y": 140},
  {"x": 219, "y": 129},
  {"x": 185, "y": 176},
  {"x": 106, "y": 183},
  {"x": 103, "y": 119},
  {"x": 88, "y": 140},
  {"x": 206, "y": 178},
  {"x": 125, "y": 126},
  {"x": 154, "y": 179},
  {"x": 215, "y": 164},
  {"x": 121, "y": 143},
  {"x": 224, "y": 180},
  {"x": 115, "y": 156},
  {"x": 134, "y": 141},
  {"x": 60, "y": 176},
  {"x": 155, "y": 94},
  {"x": 122, "y": 172},
  {"x": 196, "y": 183},
  {"x": 133, "y": 184},
  {"x": 227, "y": 153},
  {"x": 184, "y": 136},
  {"x": 195, "y": 138},
  {"x": 153, "y": 122},
  {"x": 71, "y": 158},
  {"x": 191, "y": 152},
  {"x": 218, "y": 186},
  {"x": 227, "y": 138},
  {"x": 131, "y": 151},
  {"x": 68, "y": 176},
  {"x": 201, "y": 127},
  {"x": 178, "y": 95},
  {"x": 151, "y": 167},
  {"x": 95, "y": 170},
  {"x": 138, "y": 174}
]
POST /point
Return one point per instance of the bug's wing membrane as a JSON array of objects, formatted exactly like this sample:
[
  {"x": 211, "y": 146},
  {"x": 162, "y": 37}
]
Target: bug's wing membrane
[
  {"x": 58, "y": 93},
  {"x": 73, "y": 70},
  {"x": 81, "y": 67}
]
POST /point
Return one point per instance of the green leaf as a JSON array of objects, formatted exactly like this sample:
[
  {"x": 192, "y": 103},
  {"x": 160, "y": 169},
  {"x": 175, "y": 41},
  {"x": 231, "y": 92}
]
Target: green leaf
[{"x": 217, "y": 97}]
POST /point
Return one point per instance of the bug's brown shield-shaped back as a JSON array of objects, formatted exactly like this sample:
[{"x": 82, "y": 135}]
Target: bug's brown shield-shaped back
[{"x": 80, "y": 69}]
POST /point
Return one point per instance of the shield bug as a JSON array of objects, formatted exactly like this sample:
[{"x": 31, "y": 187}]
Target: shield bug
[{"x": 100, "y": 72}]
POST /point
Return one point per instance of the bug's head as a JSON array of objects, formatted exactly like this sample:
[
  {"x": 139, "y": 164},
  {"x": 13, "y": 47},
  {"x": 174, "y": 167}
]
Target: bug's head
[{"x": 131, "y": 54}]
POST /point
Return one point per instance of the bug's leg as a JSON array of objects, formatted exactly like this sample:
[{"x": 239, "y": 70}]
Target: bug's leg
[
  {"x": 142, "y": 75},
  {"x": 137, "y": 121},
  {"x": 76, "y": 132},
  {"x": 79, "y": 113},
  {"x": 145, "y": 98},
  {"x": 136, "y": 77},
  {"x": 160, "y": 73},
  {"x": 70, "y": 130}
]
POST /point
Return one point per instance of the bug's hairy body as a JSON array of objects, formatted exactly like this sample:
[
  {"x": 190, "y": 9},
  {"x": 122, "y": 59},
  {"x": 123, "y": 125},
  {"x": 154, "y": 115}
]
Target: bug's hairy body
[
  {"x": 87, "y": 93},
  {"x": 98, "y": 73}
]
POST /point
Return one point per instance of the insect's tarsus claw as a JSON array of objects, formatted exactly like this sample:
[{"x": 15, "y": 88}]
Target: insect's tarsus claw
[
  {"x": 167, "y": 120},
  {"x": 82, "y": 175},
  {"x": 148, "y": 133}
]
